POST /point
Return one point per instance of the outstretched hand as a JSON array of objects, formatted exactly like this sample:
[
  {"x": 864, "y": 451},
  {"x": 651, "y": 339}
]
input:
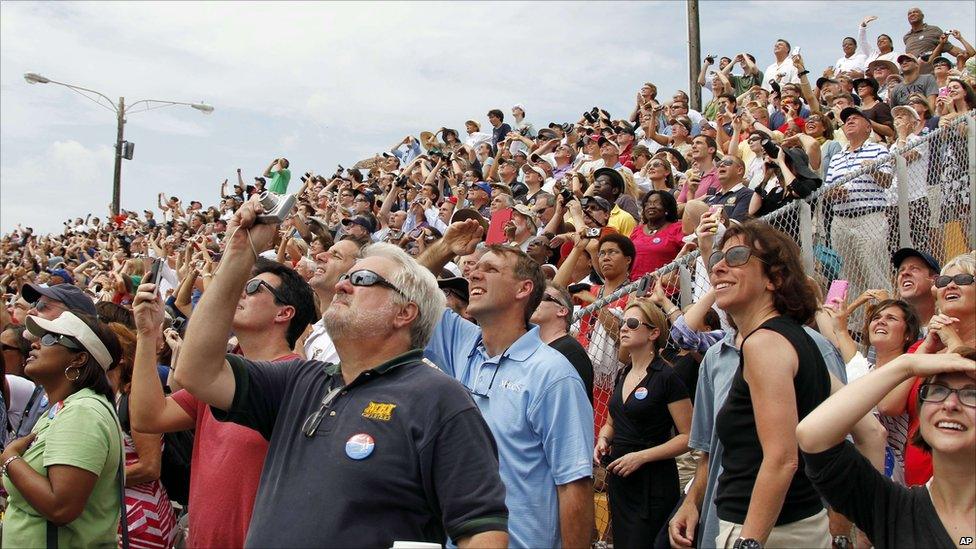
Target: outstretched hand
[{"x": 463, "y": 236}]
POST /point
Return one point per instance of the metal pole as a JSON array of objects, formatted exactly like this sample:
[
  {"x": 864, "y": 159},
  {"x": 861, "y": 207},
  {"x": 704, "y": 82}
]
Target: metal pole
[
  {"x": 117, "y": 182},
  {"x": 694, "y": 55}
]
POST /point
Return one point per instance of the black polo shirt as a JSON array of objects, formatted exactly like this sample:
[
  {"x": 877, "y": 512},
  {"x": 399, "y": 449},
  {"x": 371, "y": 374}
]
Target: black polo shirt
[
  {"x": 402, "y": 453},
  {"x": 735, "y": 201}
]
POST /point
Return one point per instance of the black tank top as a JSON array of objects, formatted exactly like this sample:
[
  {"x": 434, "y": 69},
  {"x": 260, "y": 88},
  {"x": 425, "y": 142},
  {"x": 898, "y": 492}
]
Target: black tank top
[{"x": 736, "y": 428}]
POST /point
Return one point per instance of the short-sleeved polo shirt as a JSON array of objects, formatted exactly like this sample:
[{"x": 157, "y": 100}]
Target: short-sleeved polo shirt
[
  {"x": 536, "y": 406},
  {"x": 401, "y": 453},
  {"x": 279, "y": 181},
  {"x": 734, "y": 201},
  {"x": 864, "y": 195}
]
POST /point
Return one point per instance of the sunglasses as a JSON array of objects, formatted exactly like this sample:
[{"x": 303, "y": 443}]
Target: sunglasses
[
  {"x": 49, "y": 340},
  {"x": 547, "y": 297},
  {"x": 959, "y": 279},
  {"x": 365, "y": 278},
  {"x": 253, "y": 286},
  {"x": 42, "y": 305},
  {"x": 736, "y": 256},
  {"x": 933, "y": 392},
  {"x": 633, "y": 324},
  {"x": 725, "y": 163}
]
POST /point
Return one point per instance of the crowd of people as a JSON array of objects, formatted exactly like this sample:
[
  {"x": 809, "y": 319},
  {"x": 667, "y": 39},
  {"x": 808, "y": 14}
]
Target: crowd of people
[{"x": 403, "y": 350}]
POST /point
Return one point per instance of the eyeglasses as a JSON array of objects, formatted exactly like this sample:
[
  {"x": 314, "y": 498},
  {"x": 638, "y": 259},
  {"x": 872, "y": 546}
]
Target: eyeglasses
[
  {"x": 726, "y": 162},
  {"x": 547, "y": 297},
  {"x": 658, "y": 165},
  {"x": 313, "y": 421},
  {"x": 490, "y": 383},
  {"x": 42, "y": 305},
  {"x": 255, "y": 284},
  {"x": 959, "y": 279},
  {"x": 633, "y": 324},
  {"x": 366, "y": 278},
  {"x": 49, "y": 340},
  {"x": 933, "y": 392},
  {"x": 736, "y": 256}
]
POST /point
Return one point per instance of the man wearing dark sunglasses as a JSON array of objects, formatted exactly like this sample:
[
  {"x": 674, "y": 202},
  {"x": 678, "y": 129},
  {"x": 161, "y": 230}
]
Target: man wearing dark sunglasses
[
  {"x": 266, "y": 316},
  {"x": 733, "y": 195},
  {"x": 519, "y": 382},
  {"x": 555, "y": 317},
  {"x": 381, "y": 438}
]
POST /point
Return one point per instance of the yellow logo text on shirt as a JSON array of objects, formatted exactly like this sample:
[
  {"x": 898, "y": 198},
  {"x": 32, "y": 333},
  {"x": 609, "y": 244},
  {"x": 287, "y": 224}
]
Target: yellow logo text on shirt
[{"x": 379, "y": 410}]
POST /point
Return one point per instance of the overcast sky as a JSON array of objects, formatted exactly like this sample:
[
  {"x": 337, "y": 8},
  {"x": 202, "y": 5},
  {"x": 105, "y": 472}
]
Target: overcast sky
[{"x": 327, "y": 83}]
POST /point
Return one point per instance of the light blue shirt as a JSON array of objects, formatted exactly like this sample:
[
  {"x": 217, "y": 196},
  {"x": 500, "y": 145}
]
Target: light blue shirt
[
  {"x": 714, "y": 380},
  {"x": 538, "y": 412},
  {"x": 413, "y": 151}
]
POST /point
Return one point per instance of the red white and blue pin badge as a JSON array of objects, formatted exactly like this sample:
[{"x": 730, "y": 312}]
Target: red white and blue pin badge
[
  {"x": 360, "y": 446},
  {"x": 640, "y": 393}
]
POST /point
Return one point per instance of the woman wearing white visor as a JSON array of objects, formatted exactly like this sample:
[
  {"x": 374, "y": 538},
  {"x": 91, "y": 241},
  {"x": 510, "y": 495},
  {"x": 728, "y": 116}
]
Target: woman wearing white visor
[{"x": 64, "y": 478}]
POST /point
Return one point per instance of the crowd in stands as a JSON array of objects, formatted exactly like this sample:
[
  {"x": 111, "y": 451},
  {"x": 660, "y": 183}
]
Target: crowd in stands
[{"x": 269, "y": 371}]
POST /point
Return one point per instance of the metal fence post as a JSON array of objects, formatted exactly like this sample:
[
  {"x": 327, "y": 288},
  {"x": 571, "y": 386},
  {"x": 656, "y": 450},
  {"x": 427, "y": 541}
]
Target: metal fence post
[
  {"x": 805, "y": 214},
  {"x": 901, "y": 180}
]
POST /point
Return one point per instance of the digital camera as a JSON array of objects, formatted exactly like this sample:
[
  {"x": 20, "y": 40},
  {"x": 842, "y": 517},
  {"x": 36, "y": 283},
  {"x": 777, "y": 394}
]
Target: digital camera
[{"x": 276, "y": 207}]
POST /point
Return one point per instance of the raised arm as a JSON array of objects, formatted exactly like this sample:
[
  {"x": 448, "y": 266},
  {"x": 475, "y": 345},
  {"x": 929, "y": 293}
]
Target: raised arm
[
  {"x": 150, "y": 411},
  {"x": 202, "y": 368},
  {"x": 862, "y": 36},
  {"x": 461, "y": 238},
  {"x": 828, "y": 424}
]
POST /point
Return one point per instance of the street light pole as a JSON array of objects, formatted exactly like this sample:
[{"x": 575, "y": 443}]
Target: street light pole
[
  {"x": 117, "y": 180},
  {"x": 120, "y": 112},
  {"x": 694, "y": 55}
]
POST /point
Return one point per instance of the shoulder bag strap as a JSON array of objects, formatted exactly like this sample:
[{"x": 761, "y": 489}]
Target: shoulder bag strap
[{"x": 52, "y": 529}]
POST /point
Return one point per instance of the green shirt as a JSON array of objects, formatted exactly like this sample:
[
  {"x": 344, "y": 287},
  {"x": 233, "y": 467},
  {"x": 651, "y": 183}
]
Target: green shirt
[
  {"x": 279, "y": 181},
  {"x": 83, "y": 434}
]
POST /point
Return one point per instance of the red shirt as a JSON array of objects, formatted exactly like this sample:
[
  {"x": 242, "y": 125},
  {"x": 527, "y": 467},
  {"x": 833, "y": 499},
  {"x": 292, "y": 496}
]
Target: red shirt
[
  {"x": 918, "y": 462},
  {"x": 225, "y": 469},
  {"x": 653, "y": 252}
]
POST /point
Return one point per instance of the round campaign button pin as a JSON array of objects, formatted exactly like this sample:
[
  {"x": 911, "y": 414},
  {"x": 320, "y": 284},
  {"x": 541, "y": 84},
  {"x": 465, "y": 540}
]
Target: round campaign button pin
[
  {"x": 360, "y": 446},
  {"x": 656, "y": 240},
  {"x": 640, "y": 393}
]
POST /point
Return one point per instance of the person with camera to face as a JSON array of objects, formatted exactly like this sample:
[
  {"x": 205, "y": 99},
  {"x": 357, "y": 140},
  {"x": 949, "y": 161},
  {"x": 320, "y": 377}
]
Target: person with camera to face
[
  {"x": 280, "y": 175},
  {"x": 381, "y": 419}
]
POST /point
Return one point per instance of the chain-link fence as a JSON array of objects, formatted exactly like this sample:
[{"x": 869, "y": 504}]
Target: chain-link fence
[{"x": 920, "y": 194}]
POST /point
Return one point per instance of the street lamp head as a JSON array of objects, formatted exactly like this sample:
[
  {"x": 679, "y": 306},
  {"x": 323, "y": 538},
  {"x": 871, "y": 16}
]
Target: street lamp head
[
  {"x": 34, "y": 78},
  {"x": 203, "y": 107}
]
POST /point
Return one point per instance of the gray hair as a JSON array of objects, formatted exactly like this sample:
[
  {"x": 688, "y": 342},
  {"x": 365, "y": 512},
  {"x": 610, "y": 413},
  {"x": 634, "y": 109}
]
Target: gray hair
[
  {"x": 964, "y": 262},
  {"x": 418, "y": 286}
]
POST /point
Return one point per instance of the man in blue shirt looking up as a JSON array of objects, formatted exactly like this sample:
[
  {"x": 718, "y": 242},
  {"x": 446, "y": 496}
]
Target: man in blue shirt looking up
[{"x": 530, "y": 395}]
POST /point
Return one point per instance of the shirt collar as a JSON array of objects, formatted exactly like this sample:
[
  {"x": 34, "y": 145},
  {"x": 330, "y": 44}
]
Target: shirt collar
[{"x": 520, "y": 350}]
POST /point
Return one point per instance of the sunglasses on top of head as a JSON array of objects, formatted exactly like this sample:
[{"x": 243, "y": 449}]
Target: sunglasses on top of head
[{"x": 960, "y": 280}]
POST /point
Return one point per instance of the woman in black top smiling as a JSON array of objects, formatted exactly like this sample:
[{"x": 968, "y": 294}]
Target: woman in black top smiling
[
  {"x": 937, "y": 514},
  {"x": 763, "y": 496},
  {"x": 648, "y": 404}
]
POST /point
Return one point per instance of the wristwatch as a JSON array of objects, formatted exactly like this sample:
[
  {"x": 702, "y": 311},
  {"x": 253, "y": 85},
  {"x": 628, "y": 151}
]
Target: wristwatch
[{"x": 747, "y": 543}]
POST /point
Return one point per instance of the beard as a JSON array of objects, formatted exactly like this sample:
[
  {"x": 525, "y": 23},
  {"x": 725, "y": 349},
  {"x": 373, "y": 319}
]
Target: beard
[{"x": 348, "y": 321}]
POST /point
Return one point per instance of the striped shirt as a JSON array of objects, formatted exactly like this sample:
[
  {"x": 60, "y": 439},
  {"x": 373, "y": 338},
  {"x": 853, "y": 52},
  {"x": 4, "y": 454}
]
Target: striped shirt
[{"x": 864, "y": 195}]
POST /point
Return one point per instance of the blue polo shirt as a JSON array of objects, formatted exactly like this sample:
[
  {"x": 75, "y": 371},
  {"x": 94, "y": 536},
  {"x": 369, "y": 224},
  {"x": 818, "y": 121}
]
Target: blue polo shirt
[{"x": 536, "y": 407}]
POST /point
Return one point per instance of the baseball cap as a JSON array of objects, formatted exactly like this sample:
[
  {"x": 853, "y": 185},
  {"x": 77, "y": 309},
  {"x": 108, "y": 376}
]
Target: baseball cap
[
  {"x": 908, "y": 56},
  {"x": 456, "y": 284},
  {"x": 532, "y": 167},
  {"x": 941, "y": 61},
  {"x": 546, "y": 133},
  {"x": 851, "y": 111},
  {"x": 483, "y": 186},
  {"x": 362, "y": 221},
  {"x": 526, "y": 212},
  {"x": 70, "y": 325},
  {"x": 599, "y": 201},
  {"x": 824, "y": 80},
  {"x": 901, "y": 255},
  {"x": 910, "y": 111},
  {"x": 72, "y": 297},
  {"x": 64, "y": 274}
]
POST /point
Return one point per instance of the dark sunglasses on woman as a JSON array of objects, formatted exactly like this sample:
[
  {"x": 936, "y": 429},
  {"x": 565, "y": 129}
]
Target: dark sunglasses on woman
[
  {"x": 49, "y": 340},
  {"x": 633, "y": 324},
  {"x": 959, "y": 279},
  {"x": 736, "y": 256}
]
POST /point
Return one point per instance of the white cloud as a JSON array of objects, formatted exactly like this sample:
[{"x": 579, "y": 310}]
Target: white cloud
[{"x": 327, "y": 83}]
